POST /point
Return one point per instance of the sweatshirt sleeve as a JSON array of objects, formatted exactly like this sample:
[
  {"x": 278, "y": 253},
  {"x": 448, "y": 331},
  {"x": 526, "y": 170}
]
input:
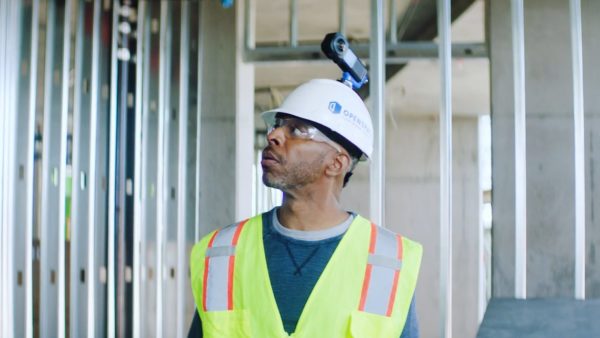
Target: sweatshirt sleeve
[
  {"x": 411, "y": 327},
  {"x": 196, "y": 327}
]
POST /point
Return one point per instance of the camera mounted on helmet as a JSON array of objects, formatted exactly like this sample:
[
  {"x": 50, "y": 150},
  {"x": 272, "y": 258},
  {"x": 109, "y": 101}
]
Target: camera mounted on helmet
[{"x": 336, "y": 47}]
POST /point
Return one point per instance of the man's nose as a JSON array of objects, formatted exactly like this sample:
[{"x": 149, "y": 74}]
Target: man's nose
[{"x": 276, "y": 136}]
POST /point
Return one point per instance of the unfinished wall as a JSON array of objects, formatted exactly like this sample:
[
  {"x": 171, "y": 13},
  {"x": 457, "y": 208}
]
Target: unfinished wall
[{"x": 550, "y": 147}]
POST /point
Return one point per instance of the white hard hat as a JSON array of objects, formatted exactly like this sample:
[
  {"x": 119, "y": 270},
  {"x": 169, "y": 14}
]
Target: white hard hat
[{"x": 333, "y": 105}]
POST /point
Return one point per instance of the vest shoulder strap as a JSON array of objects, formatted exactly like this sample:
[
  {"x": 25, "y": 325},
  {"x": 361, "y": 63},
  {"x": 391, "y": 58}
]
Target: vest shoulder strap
[
  {"x": 219, "y": 263},
  {"x": 382, "y": 273}
]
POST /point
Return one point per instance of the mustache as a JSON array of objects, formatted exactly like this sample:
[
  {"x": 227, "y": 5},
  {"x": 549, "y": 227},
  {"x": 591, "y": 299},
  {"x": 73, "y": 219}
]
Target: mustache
[{"x": 269, "y": 153}]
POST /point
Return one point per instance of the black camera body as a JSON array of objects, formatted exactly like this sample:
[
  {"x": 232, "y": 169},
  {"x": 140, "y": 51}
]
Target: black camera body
[{"x": 336, "y": 47}]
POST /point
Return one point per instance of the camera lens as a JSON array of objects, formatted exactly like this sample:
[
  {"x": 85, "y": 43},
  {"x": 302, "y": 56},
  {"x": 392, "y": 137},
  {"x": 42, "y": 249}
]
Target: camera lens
[{"x": 340, "y": 45}]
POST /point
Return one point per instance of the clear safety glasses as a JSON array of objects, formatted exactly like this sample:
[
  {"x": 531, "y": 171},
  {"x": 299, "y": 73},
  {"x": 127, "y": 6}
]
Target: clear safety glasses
[{"x": 295, "y": 128}]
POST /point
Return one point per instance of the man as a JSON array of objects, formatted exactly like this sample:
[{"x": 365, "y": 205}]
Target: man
[{"x": 308, "y": 268}]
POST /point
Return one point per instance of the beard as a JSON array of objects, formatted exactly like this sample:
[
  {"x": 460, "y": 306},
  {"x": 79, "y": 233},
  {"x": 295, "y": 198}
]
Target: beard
[{"x": 294, "y": 176}]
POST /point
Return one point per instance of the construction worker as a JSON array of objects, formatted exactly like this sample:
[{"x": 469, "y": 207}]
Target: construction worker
[{"x": 308, "y": 268}]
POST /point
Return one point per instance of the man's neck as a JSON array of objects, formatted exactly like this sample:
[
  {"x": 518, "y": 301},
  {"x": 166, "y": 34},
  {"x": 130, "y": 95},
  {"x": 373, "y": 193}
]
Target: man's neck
[{"x": 316, "y": 213}]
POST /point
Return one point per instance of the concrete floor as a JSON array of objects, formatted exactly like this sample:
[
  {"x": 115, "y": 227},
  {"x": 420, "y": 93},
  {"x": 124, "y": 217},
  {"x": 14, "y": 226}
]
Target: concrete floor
[{"x": 541, "y": 318}]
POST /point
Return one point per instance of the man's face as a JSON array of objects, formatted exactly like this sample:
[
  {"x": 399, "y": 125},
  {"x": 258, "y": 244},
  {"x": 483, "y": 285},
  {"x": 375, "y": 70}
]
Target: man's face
[{"x": 293, "y": 158}]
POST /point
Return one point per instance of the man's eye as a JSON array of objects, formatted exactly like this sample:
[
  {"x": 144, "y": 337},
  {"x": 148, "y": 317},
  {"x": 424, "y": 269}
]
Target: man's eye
[{"x": 299, "y": 130}]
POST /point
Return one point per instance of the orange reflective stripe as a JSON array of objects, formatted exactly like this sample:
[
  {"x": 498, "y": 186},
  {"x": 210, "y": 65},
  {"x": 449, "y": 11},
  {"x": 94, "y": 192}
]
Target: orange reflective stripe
[
  {"x": 230, "y": 283},
  {"x": 367, "y": 280},
  {"x": 232, "y": 266},
  {"x": 396, "y": 277},
  {"x": 373, "y": 238},
  {"x": 236, "y": 236}
]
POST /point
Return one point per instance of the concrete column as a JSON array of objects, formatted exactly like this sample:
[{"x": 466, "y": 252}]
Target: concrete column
[
  {"x": 550, "y": 147},
  {"x": 222, "y": 96}
]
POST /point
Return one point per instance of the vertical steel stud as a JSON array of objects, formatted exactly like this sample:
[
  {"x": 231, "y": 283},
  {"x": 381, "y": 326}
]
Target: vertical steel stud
[
  {"x": 244, "y": 124},
  {"x": 249, "y": 23},
  {"x": 25, "y": 326},
  {"x": 138, "y": 190},
  {"x": 62, "y": 185},
  {"x": 393, "y": 22},
  {"x": 93, "y": 148},
  {"x": 51, "y": 234},
  {"x": 579, "y": 134},
  {"x": 112, "y": 180},
  {"x": 342, "y": 16},
  {"x": 377, "y": 82},
  {"x": 150, "y": 154},
  {"x": 518, "y": 41},
  {"x": 445, "y": 57},
  {"x": 200, "y": 66},
  {"x": 163, "y": 156},
  {"x": 83, "y": 180},
  {"x": 10, "y": 35},
  {"x": 182, "y": 167},
  {"x": 294, "y": 23}
]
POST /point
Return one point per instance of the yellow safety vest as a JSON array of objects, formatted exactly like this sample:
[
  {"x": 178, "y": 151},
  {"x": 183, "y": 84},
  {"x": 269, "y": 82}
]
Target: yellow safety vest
[{"x": 365, "y": 289}]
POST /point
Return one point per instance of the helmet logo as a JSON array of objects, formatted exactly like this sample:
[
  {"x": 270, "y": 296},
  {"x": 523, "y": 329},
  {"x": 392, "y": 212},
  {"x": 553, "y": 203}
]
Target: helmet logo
[{"x": 335, "y": 107}]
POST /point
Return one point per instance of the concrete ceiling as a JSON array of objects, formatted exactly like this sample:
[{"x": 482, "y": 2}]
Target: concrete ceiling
[
  {"x": 315, "y": 19},
  {"x": 416, "y": 89},
  {"x": 412, "y": 89}
]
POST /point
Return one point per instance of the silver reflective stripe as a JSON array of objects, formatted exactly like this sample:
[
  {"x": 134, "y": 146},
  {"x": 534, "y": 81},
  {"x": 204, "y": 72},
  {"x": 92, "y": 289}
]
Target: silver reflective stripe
[
  {"x": 385, "y": 265},
  {"x": 219, "y": 252},
  {"x": 225, "y": 236},
  {"x": 387, "y": 243},
  {"x": 217, "y": 283},
  {"x": 380, "y": 289},
  {"x": 386, "y": 262}
]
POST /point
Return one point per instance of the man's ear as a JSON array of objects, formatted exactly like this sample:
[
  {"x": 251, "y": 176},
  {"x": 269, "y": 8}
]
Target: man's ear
[{"x": 339, "y": 165}]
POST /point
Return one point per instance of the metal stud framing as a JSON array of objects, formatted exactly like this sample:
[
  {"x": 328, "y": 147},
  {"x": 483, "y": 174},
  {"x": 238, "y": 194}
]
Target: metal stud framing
[
  {"x": 139, "y": 197},
  {"x": 518, "y": 40},
  {"x": 112, "y": 180},
  {"x": 342, "y": 16},
  {"x": 10, "y": 35},
  {"x": 162, "y": 181},
  {"x": 78, "y": 299},
  {"x": 403, "y": 51},
  {"x": 172, "y": 119},
  {"x": 393, "y": 17},
  {"x": 579, "y": 134},
  {"x": 22, "y": 206},
  {"x": 377, "y": 80},
  {"x": 182, "y": 168},
  {"x": 293, "y": 23},
  {"x": 149, "y": 202},
  {"x": 445, "y": 57},
  {"x": 52, "y": 231},
  {"x": 4, "y": 115},
  {"x": 93, "y": 186},
  {"x": 66, "y": 53},
  {"x": 90, "y": 128},
  {"x": 81, "y": 77},
  {"x": 250, "y": 17}
]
